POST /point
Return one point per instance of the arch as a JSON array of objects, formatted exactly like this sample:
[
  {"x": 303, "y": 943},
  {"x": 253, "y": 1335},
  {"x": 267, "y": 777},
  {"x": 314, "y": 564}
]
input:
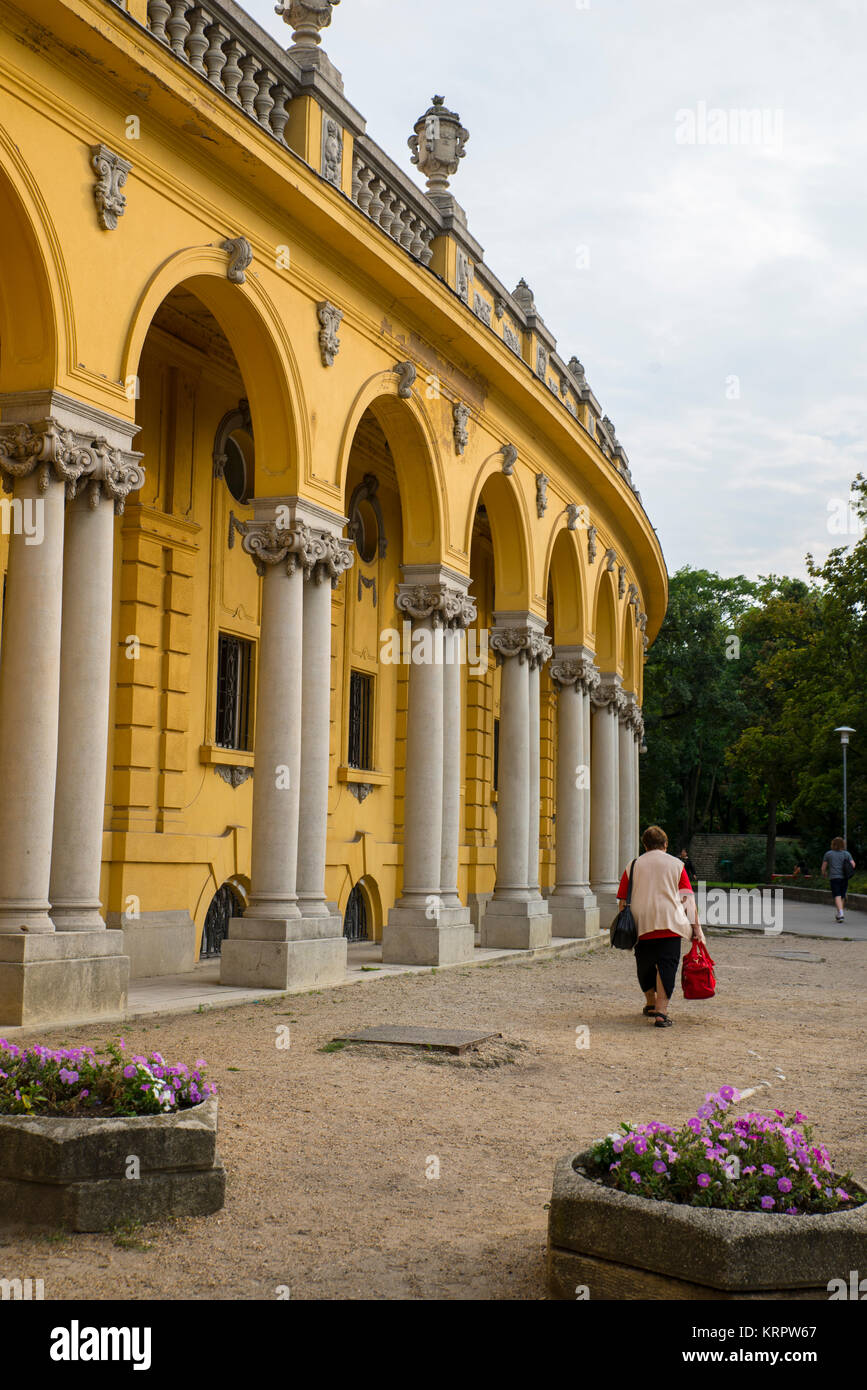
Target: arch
[
  {"x": 605, "y": 624},
  {"x": 36, "y": 319},
  {"x": 630, "y": 653},
  {"x": 563, "y": 571},
  {"x": 368, "y": 888},
  {"x": 261, "y": 344},
  {"x": 413, "y": 446},
  {"x": 510, "y": 535}
]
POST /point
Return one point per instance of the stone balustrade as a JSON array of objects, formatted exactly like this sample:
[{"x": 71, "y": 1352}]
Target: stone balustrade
[
  {"x": 253, "y": 74},
  {"x": 392, "y": 201},
  {"x": 228, "y": 57}
]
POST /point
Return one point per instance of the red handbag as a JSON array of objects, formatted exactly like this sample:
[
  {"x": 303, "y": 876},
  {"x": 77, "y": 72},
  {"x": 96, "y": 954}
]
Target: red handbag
[{"x": 697, "y": 977}]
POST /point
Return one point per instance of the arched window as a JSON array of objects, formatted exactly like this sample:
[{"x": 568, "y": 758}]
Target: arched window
[
  {"x": 355, "y": 921},
  {"x": 225, "y": 904},
  {"x": 234, "y": 452}
]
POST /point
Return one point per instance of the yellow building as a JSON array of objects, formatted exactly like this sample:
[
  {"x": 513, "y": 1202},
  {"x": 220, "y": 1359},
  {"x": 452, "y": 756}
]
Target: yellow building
[{"x": 286, "y": 468}]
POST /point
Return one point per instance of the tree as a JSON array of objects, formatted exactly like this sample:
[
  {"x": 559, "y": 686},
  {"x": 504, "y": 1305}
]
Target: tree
[
  {"x": 692, "y": 705},
  {"x": 777, "y": 640}
]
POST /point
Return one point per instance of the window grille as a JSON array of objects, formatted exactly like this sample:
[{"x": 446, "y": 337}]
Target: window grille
[
  {"x": 234, "y": 671},
  {"x": 360, "y": 719},
  {"x": 355, "y": 921}
]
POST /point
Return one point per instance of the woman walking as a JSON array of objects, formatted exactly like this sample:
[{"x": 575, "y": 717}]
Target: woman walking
[
  {"x": 834, "y": 866},
  {"x": 663, "y": 905}
]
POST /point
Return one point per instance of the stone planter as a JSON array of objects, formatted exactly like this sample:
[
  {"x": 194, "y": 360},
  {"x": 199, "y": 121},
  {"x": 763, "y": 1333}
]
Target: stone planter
[
  {"x": 80, "y": 1174},
  {"x": 622, "y": 1247}
]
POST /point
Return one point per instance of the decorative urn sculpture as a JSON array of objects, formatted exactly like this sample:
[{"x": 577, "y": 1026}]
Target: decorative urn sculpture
[
  {"x": 438, "y": 145},
  {"x": 307, "y": 17}
]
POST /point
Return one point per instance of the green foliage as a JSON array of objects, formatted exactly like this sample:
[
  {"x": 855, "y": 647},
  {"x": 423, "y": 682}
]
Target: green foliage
[
  {"x": 744, "y": 687},
  {"x": 692, "y": 703}
]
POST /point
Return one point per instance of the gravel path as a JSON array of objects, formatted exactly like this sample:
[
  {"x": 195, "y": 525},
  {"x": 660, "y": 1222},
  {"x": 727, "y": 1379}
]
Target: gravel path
[{"x": 327, "y": 1153}]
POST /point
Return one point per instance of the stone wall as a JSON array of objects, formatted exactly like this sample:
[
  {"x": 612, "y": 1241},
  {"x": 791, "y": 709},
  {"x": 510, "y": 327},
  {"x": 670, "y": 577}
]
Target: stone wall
[{"x": 704, "y": 849}]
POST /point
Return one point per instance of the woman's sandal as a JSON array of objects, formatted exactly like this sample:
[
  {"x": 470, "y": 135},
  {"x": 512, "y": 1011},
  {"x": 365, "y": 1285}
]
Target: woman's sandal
[
  {"x": 649, "y": 1011},
  {"x": 663, "y": 1021}
]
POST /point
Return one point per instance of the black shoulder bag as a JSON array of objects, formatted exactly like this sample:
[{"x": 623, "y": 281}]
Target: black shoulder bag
[{"x": 624, "y": 932}]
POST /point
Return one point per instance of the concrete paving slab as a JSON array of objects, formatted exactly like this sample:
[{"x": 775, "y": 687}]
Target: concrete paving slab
[{"x": 454, "y": 1040}]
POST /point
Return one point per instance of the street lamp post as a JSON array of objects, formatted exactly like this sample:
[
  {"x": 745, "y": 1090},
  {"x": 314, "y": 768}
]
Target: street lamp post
[{"x": 844, "y": 731}]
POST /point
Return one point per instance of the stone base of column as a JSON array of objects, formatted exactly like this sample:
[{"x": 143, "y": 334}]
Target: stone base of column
[
  {"x": 576, "y": 915},
  {"x": 515, "y": 925},
  {"x": 606, "y": 898},
  {"x": 62, "y": 977},
  {"x": 411, "y": 937},
  {"x": 293, "y": 954}
]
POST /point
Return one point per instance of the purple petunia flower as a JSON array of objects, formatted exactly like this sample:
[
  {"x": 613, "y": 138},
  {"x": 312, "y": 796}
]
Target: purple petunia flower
[
  {"x": 769, "y": 1170},
  {"x": 784, "y": 1185},
  {"x": 842, "y": 1194},
  {"x": 636, "y": 1177},
  {"x": 130, "y": 1071},
  {"x": 703, "y": 1180},
  {"x": 659, "y": 1166},
  {"x": 767, "y": 1203}
]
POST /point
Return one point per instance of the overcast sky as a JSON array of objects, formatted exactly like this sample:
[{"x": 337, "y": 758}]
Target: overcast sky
[{"x": 715, "y": 291}]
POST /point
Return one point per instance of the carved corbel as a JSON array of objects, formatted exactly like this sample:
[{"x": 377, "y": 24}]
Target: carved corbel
[{"x": 111, "y": 175}]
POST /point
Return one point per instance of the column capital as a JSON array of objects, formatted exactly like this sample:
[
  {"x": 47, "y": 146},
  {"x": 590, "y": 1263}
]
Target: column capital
[
  {"x": 574, "y": 666},
  {"x": 438, "y": 593},
  {"x": 330, "y": 556},
  {"x": 116, "y": 473},
  {"x": 306, "y": 532},
  {"x": 609, "y": 693},
  {"x": 46, "y": 445},
  {"x": 268, "y": 544},
  {"x": 71, "y": 439},
  {"x": 521, "y": 635}
]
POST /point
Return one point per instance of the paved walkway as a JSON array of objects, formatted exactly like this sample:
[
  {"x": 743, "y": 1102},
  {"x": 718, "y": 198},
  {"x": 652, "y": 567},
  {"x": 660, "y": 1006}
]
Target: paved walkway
[
  {"x": 200, "y": 989},
  {"x": 808, "y": 919}
]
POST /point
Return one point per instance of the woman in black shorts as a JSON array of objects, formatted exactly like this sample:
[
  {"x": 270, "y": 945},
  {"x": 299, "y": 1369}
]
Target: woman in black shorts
[{"x": 834, "y": 866}]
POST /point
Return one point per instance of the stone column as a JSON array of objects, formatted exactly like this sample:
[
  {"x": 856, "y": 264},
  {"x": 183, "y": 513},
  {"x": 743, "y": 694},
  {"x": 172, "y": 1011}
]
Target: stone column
[
  {"x": 85, "y": 686},
  {"x": 534, "y": 787},
  {"x": 517, "y": 915},
  {"x": 605, "y": 867},
  {"x": 459, "y": 614},
  {"x": 639, "y": 739},
  {"x": 47, "y": 448},
  {"x": 272, "y": 945},
  {"x": 572, "y": 904},
  {"x": 321, "y": 575},
  {"x": 422, "y": 928},
  {"x": 625, "y": 765}
]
